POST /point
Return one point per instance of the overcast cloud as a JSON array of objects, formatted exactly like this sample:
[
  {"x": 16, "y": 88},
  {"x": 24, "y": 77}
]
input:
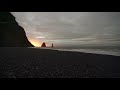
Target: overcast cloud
[{"x": 72, "y": 28}]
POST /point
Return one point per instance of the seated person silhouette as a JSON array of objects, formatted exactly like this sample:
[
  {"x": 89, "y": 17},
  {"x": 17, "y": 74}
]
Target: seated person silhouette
[{"x": 43, "y": 45}]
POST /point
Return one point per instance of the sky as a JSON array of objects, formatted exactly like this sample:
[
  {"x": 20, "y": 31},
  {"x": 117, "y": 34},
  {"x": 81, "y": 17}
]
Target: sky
[{"x": 71, "y": 29}]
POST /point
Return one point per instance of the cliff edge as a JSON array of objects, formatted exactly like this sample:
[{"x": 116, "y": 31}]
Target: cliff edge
[{"x": 11, "y": 34}]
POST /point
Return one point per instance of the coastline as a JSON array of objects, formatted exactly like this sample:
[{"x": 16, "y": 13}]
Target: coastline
[{"x": 22, "y": 62}]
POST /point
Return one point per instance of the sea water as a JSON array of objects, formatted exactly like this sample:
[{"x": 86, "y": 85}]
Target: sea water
[{"x": 106, "y": 50}]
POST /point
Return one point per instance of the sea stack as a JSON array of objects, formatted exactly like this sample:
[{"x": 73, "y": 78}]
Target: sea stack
[
  {"x": 11, "y": 34},
  {"x": 43, "y": 45}
]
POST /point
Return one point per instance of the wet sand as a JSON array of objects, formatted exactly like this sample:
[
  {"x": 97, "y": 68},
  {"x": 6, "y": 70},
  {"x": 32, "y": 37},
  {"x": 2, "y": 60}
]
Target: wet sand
[{"x": 45, "y": 63}]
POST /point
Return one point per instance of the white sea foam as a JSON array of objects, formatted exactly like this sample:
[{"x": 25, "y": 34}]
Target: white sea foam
[
  {"x": 97, "y": 51},
  {"x": 105, "y": 51}
]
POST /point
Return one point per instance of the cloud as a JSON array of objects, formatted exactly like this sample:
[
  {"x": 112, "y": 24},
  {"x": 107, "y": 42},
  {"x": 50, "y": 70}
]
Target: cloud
[{"x": 70, "y": 28}]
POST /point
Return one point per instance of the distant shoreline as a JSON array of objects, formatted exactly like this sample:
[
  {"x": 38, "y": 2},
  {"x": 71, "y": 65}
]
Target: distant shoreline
[{"x": 81, "y": 51}]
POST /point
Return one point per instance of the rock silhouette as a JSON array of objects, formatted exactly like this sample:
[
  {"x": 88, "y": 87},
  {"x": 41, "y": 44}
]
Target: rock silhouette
[
  {"x": 11, "y": 34},
  {"x": 43, "y": 45}
]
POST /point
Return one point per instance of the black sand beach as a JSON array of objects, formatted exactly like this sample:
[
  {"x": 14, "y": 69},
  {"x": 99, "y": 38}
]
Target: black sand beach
[{"x": 25, "y": 62}]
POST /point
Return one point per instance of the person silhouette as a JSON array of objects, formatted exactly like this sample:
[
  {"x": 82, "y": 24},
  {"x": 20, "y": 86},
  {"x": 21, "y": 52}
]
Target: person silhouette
[
  {"x": 52, "y": 45},
  {"x": 43, "y": 45}
]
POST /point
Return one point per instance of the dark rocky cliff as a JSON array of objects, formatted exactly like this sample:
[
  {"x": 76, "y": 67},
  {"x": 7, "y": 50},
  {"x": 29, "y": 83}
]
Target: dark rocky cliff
[{"x": 11, "y": 34}]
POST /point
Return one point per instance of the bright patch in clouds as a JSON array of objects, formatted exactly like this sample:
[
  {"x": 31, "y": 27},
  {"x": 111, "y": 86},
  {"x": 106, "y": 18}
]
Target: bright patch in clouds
[{"x": 35, "y": 42}]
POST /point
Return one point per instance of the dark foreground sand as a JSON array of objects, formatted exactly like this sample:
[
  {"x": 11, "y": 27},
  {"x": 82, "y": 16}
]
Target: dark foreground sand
[{"x": 44, "y": 63}]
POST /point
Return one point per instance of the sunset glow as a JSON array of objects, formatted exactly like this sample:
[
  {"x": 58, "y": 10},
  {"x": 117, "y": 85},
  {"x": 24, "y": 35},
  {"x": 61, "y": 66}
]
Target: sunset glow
[{"x": 35, "y": 42}]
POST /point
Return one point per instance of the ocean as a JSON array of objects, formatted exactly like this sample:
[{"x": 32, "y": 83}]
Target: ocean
[{"x": 106, "y": 50}]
